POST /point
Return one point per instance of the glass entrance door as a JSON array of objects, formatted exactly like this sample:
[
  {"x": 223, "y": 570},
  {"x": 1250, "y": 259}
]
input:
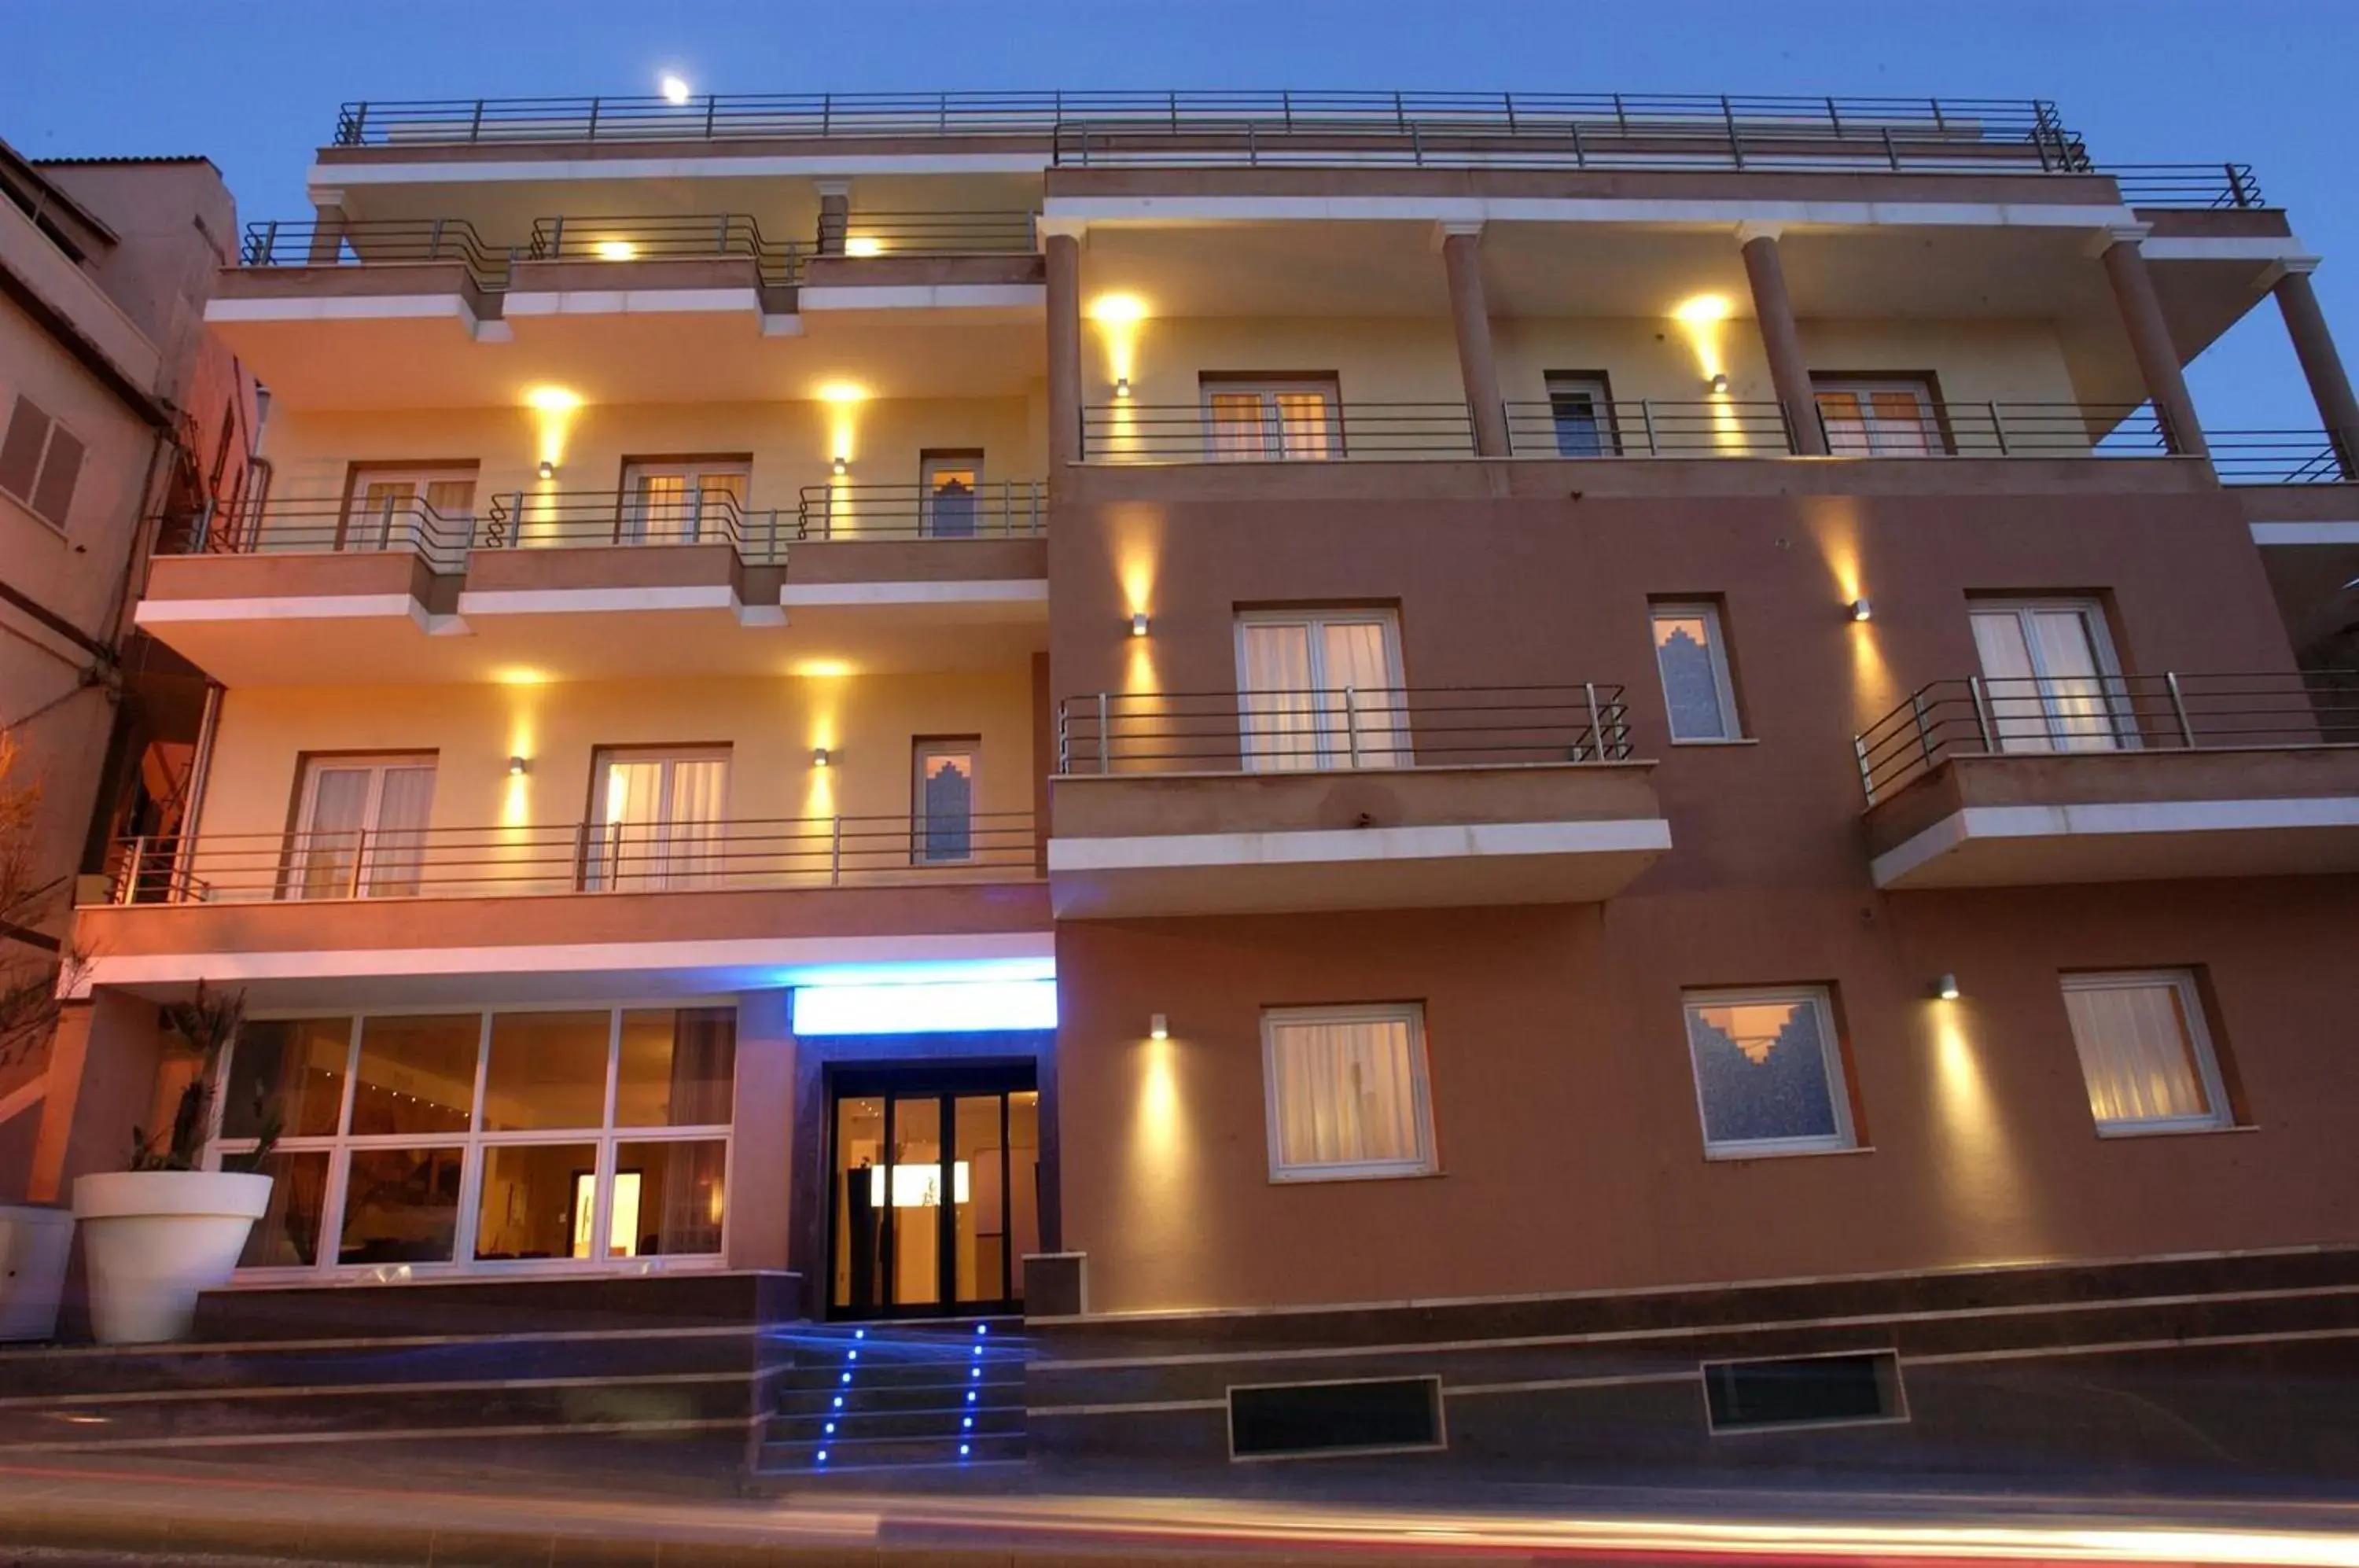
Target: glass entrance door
[{"x": 934, "y": 1190}]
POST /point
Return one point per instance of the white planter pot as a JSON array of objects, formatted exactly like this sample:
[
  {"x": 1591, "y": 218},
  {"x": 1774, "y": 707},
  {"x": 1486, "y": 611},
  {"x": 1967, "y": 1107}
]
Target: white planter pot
[{"x": 153, "y": 1239}]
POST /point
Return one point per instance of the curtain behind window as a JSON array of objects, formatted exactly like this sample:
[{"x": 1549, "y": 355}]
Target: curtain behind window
[
  {"x": 2135, "y": 1052},
  {"x": 1280, "y": 711},
  {"x": 1346, "y": 1093}
]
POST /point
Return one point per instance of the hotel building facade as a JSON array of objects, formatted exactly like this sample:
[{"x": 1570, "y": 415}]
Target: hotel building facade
[{"x": 1588, "y": 779}]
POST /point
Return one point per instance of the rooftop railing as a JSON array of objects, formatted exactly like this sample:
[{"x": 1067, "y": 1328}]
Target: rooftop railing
[
  {"x": 374, "y": 242},
  {"x": 999, "y": 509},
  {"x": 1293, "y": 731},
  {"x": 574, "y": 858},
  {"x": 2278, "y": 457},
  {"x": 1982, "y": 715}
]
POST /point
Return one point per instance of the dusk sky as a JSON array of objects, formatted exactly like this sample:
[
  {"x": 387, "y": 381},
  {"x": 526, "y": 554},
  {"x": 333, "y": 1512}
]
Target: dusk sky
[{"x": 256, "y": 86}]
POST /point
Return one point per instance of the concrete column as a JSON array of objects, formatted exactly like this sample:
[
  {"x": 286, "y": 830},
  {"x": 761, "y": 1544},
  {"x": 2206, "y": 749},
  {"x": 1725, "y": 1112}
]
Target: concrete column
[
  {"x": 328, "y": 220},
  {"x": 1044, "y": 758},
  {"x": 107, "y": 1064},
  {"x": 1774, "y": 308},
  {"x": 761, "y": 1162},
  {"x": 2157, "y": 357},
  {"x": 2321, "y": 366},
  {"x": 1064, "y": 258},
  {"x": 834, "y": 215},
  {"x": 1461, "y": 257}
]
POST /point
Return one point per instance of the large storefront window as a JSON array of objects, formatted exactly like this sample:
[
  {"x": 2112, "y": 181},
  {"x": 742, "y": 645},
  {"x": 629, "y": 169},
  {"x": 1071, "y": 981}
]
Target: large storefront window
[{"x": 491, "y": 1141}]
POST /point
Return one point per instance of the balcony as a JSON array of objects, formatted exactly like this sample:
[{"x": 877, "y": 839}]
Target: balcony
[
  {"x": 1983, "y": 782},
  {"x": 1238, "y": 802},
  {"x": 677, "y": 906},
  {"x": 579, "y": 584}
]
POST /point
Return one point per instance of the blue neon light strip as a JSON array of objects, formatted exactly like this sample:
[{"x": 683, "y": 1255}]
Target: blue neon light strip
[{"x": 960, "y": 1007}]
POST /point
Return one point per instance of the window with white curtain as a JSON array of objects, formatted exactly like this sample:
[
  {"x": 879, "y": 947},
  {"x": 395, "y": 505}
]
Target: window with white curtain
[
  {"x": 1321, "y": 689},
  {"x": 2050, "y": 681},
  {"x": 409, "y": 506},
  {"x": 1768, "y": 1072},
  {"x": 683, "y": 501},
  {"x": 658, "y": 820},
  {"x": 1878, "y": 416},
  {"x": 360, "y": 826},
  {"x": 2145, "y": 1052},
  {"x": 1692, "y": 659},
  {"x": 1347, "y": 1093},
  {"x": 1250, "y": 420}
]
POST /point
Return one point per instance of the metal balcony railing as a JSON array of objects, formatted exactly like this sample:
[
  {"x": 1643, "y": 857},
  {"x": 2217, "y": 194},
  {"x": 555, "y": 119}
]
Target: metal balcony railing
[
  {"x": 2278, "y": 457},
  {"x": 581, "y": 857},
  {"x": 1130, "y": 431},
  {"x": 1001, "y": 509},
  {"x": 939, "y": 234},
  {"x": 329, "y": 524},
  {"x": 374, "y": 242},
  {"x": 1647, "y": 428},
  {"x": 1274, "y": 731},
  {"x": 666, "y": 237},
  {"x": 519, "y": 519},
  {"x": 1982, "y": 715}
]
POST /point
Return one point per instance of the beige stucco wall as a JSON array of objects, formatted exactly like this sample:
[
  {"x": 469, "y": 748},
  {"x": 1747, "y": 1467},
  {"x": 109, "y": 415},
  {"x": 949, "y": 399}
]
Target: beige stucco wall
[{"x": 769, "y": 725}]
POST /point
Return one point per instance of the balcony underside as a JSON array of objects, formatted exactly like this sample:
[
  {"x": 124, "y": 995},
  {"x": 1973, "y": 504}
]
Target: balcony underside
[
  {"x": 558, "y": 947},
  {"x": 2028, "y": 820},
  {"x": 623, "y": 612},
  {"x": 1131, "y": 846}
]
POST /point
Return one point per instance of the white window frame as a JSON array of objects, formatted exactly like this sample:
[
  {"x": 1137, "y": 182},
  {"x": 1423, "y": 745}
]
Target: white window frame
[
  {"x": 1273, "y": 448},
  {"x": 53, "y": 425},
  {"x": 1326, "y": 722},
  {"x": 378, "y": 765},
  {"x": 2110, "y": 683},
  {"x": 340, "y": 1146},
  {"x": 1599, "y": 390},
  {"x": 1724, "y": 685},
  {"x": 1821, "y": 999},
  {"x": 1427, "y": 1161},
  {"x": 2181, "y": 983},
  {"x": 1927, "y": 438}
]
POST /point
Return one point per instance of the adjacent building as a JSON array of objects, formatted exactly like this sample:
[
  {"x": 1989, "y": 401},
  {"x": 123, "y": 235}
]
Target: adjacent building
[
  {"x": 1543, "y": 777},
  {"x": 116, "y": 406}
]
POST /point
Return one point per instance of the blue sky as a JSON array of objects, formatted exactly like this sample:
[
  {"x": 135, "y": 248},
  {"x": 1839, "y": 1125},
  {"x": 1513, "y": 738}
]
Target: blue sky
[{"x": 255, "y": 85}]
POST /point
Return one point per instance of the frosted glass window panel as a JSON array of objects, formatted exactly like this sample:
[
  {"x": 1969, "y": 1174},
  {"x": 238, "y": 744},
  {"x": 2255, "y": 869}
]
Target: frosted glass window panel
[
  {"x": 1305, "y": 426},
  {"x": 2048, "y": 672},
  {"x": 1237, "y": 426},
  {"x": 2144, "y": 1053},
  {"x": 943, "y": 832},
  {"x": 1769, "y": 1073},
  {"x": 1280, "y": 710},
  {"x": 1693, "y": 662},
  {"x": 1347, "y": 1093}
]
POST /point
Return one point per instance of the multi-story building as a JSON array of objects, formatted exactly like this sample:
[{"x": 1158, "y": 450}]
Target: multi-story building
[
  {"x": 115, "y": 405},
  {"x": 1545, "y": 776}
]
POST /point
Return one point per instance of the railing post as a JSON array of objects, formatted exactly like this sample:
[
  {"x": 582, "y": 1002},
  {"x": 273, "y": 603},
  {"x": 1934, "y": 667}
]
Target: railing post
[
  {"x": 131, "y": 869},
  {"x": 1646, "y": 419},
  {"x": 1728, "y": 117},
  {"x": 475, "y": 127},
  {"x": 1596, "y": 723},
  {"x": 835, "y": 850},
  {"x": 1924, "y": 730},
  {"x": 581, "y": 857},
  {"x": 1891, "y": 153},
  {"x": 434, "y": 242},
  {"x": 384, "y": 524},
  {"x": 1036, "y": 507},
  {"x": 360, "y": 123},
  {"x": 2179, "y": 706},
  {"x": 360, "y": 861},
  {"x": 1104, "y": 748},
  {"x": 1998, "y": 431},
  {"x": 1351, "y": 722},
  {"x": 557, "y": 237},
  {"x": 1064, "y": 740},
  {"x": 1981, "y": 714},
  {"x": 592, "y": 135},
  {"x": 712, "y": 103},
  {"x": 270, "y": 243},
  {"x": 1866, "y": 774}
]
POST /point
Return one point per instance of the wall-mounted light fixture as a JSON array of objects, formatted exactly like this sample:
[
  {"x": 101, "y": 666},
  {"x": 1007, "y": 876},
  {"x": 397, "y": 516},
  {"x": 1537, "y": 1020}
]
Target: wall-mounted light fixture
[
  {"x": 547, "y": 468},
  {"x": 1121, "y": 385},
  {"x": 1861, "y": 610},
  {"x": 822, "y": 757},
  {"x": 518, "y": 766},
  {"x": 1719, "y": 382},
  {"x": 1946, "y": 988},
  {"x": 842, "y": 466},
  {"x": 1139, "y": 623},
  {"x": 1158, "y": 1026}
]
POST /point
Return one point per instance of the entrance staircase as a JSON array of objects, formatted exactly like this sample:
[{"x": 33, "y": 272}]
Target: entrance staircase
[{"x": 896, "y": 1396}]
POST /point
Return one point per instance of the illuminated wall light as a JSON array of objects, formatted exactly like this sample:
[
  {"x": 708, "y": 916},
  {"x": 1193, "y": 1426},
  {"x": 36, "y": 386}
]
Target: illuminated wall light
[
  {"x": 1139, "y": 623},
  {"x": 615, "y": 250},
  {"x": 1158, "y": 1026},
  {"x": 842, "y": 466},
  {"x": 1861, "y": 610},
  {"x": 1699, "y": 308},
  {"x": 1945, "y": 988},
  {"x": 1121, "y": 385},
  {"x": 864, "y": 244},
  {"x": 554, "y": 408},
  {"x": 547, "y": 468},
  {"x": 518, "y": 766},
  {"x": 822, "y": 757},
  {"x": 1719, "y": 382}
]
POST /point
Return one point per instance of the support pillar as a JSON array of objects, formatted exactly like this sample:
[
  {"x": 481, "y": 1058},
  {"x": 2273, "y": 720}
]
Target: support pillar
[
  {"x": 834, "y": 215},
  {"x": 1461, "y": 257},
  {"x": 107, "y": 1077},
  {"x": 328, "y": 220},
  {"x": 2157, "y": 357},
  {"x": 1064, "y": 267},
  {"x": 2321, "y": 366},
  {"x": 1772, "y": 308}
]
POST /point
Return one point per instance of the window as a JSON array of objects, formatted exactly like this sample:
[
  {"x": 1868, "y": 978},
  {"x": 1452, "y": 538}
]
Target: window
[
  {"x": 658, "y": 820},
  {"x": 2145, "y": 1053},
  {"x": 1321, "y": 689},
  {"x": 948, "y": 485},
  {"x": 40, "y": 462},
  {"x": 1295, "y": 419},
  {"x": 391, "y": 508},
  {"x": 682, "y": 500},
  {"x": 1768, "y": 1070},
  {"x": 1692, "y": 659},
  {"x": 360, "y": 827},
  {"x": 1883, "y": 416},
  {"x": 941, "y": 806},
  {"x": 1580, "y": 407},
  {"x": 1843, "y": 1390},
  {"x": 474, "y": 1140},
  {"x": 1347, "y": 1093},
  {"x": 2048, "y": 676}
]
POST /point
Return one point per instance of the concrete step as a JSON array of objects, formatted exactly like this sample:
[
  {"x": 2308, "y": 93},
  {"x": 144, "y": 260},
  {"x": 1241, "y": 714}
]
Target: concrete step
[
  {"x": 1004, "y": 1420},
  {"x": 856, "y": 1454}
]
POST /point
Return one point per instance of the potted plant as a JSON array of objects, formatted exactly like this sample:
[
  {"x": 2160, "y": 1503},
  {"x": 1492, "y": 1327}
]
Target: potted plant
[{"x": 158, "y": 1234}]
